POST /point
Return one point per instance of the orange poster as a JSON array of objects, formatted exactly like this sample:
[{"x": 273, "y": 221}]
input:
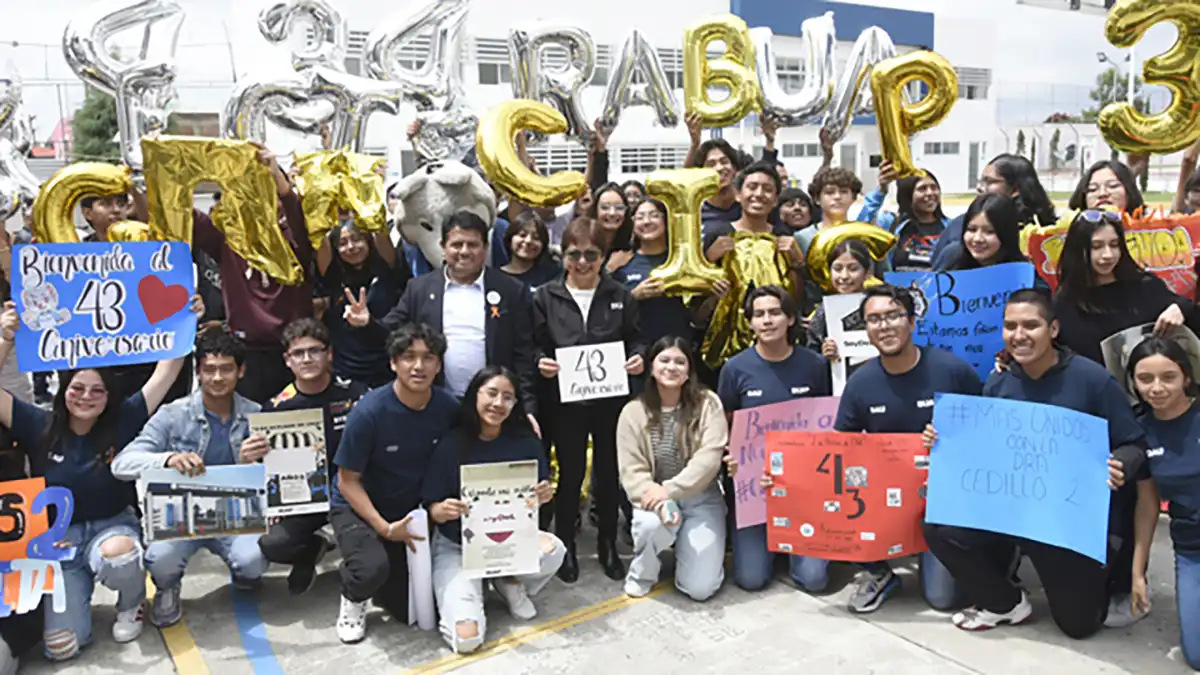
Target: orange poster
[{"x": 846, "y": 496}]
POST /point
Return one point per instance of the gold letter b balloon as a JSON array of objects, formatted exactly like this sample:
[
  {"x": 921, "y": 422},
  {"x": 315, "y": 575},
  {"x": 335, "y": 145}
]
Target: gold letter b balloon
[
  {"x": 897, "y": 119},
  {"x": 686, "y": 272}
]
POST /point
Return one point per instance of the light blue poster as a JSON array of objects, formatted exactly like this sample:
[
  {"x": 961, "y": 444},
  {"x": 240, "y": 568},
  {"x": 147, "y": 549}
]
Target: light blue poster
[
  {"x": 963, "y": 312},
  {"x": 102, "y": 304},
  {"x": 1026, "y": 469}
]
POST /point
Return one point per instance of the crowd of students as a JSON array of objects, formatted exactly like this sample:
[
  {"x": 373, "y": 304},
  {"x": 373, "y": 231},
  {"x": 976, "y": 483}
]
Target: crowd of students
[{"x": 418, "y": 376}]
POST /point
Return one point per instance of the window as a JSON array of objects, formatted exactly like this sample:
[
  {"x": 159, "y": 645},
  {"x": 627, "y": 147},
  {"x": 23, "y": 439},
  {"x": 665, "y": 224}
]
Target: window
[
  {"x": 491, "y": 56},
  {"x": 495, "y": 73},
  {"x": 790, "y": 76},
  {"x": 800, "y": 150},
  {"x": 647, "y": 158},
  {"x": 565, "y": 157},
  {"x": 945, "y": 148},
  {"x": 972, "y": 92}
]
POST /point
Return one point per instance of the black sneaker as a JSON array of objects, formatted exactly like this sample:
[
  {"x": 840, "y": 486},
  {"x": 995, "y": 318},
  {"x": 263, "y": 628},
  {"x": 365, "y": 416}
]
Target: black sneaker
[{"x": 304, "y": 575}]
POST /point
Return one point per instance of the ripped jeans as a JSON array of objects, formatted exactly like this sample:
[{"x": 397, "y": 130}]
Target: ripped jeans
[{"x": 71, "y": 630}]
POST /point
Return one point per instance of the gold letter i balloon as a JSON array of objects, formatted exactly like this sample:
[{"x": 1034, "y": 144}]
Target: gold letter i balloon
[
  {"x": 686, "y": 273},
  {"x": 1177, "y": 69},
  {"x": 897, "y": 119}
]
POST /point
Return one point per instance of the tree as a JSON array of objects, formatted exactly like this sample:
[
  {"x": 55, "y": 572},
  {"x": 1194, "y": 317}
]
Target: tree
[
  {"x": 94, "y": 127},
  {"x": 1054, "y": 141},
  {"x": 1020, "y": 142},
  {"x": 1111, "y": 87}
]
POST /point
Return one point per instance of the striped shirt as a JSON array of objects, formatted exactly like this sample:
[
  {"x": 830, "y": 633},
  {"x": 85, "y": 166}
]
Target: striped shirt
[{"x": 667, "y": 464}]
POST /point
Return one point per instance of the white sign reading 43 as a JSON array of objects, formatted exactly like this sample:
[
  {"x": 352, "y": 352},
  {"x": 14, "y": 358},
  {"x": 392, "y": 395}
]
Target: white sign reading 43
[{"x": 592, "y": 372}]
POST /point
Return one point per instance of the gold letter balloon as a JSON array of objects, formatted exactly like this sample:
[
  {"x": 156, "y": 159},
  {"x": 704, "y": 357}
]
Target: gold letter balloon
[
  {"x": 878, "y": 241},
  {"x": 686, "y": 273},
  {"x": 336, "y": 180},
  {"x": 897, "y": 119},
  {"x": 54, "y": 207},
  {"x": 495, "y": 147},
  {"x": 1177, "y": 69},
  {"x": 247, "y": 213},
  {"x": 734, "y": 70}
]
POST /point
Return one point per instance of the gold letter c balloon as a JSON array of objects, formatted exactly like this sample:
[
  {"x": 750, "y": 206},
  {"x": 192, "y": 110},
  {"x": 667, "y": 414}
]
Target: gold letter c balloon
[
  {"x": 897, "y": 119},
  {"x": 494, "y": 146},
  {"x": 1178, "y": 70},
  {"x": 686, "y": 272},
  {"x": 878, "y": 240},
  {"x": 54, "y": 207}
]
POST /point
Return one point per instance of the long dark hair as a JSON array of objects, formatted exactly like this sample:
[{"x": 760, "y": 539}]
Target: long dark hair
[
  {"x": 662, "y": 209},
  {"x": 1158, "y": 346},
  {"x": 1033, "y": 204},
  {"x": 517, "y": 422},
  {"x": 1075, "y": 263},
  {"x": 1133, "y": 194},
  {"x": 1001, "y": 212},
  {"x": 103, "y": 434},
  {"x": 622, "y": 239},
  {"x": 905, "y": 187},
  {"x": 691, "y": 398},
  {"x": 529, "y": 220}
]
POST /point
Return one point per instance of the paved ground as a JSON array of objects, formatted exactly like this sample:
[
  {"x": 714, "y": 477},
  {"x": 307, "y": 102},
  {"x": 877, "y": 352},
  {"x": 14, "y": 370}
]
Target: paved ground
[{"x": 591, "y": 628}]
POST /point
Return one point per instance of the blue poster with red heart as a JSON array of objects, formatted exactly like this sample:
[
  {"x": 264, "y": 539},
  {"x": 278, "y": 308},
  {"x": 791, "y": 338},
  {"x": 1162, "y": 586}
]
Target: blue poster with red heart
[{"x": 102, "y": 304}]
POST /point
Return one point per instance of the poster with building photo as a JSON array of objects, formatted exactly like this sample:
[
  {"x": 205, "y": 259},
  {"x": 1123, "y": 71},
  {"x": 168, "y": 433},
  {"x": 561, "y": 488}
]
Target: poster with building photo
[
  {"x": 297, "y": 471},
  {"x": 500, "y": 529},
  {"x": 844, "y": 325},
  {"x": 1116, "y": 349},
  {"x": 223, "y": 501}
]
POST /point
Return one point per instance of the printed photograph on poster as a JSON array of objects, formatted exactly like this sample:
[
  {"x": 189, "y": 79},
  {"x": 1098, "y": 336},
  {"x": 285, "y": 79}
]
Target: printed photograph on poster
[
  {"x": 91, "y": 305},
  {"x": 1116, "y": 349},
  {"x": 845, "y": 325},
  {"x": 297, "y": 464},
  {"x": 500, "y": 529},
  {"x": 30, "y": 560},
  {"x": 224, "y": 500},
  {"x": 591, "y": 372}
]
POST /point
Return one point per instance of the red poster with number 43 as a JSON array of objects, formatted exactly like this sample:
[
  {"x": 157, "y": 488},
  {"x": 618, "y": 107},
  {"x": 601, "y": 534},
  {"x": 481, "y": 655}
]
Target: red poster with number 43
[{"x": 847, "y": 497}]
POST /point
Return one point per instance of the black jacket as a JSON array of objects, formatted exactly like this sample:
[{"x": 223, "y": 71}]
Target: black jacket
[
  {"x": 508, "y": 327},
  {"x": 613, "y": 318}
]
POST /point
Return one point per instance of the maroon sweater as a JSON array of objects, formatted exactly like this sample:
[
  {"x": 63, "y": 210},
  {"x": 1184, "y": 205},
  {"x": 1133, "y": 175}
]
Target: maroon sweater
[{"x": 257, "y": 306}]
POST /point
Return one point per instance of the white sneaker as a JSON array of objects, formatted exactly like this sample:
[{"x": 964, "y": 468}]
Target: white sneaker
[
  {"x": 1120, "y": 612},
  {"x": 128, "y": 625},
  {"x": 637, "y": 589},
  {"x": 976, "y": 619},
  {"x": 168, "y": 609},
  {"x": 352, "y": 621},
  {"x": 519, "y": 604}
]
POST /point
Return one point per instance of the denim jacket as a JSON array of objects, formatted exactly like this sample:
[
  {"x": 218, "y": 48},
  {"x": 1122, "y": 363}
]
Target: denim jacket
[{"x": 180, "y": 426}]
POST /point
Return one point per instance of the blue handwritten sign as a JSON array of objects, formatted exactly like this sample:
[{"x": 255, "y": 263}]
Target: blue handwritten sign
[
  {"x": 97, "y": 304},
  {"x": 1025, "y": 469},
  {"x": 963, "y": 312},
  {"x": 748, "y": 442}
]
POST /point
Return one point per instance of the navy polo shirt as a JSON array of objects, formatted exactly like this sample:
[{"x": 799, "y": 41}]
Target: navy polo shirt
[
  {"x": 878, "y": 402},
  {"x": 748, "y": 380},
  {"x": 1174, "y": 462}
]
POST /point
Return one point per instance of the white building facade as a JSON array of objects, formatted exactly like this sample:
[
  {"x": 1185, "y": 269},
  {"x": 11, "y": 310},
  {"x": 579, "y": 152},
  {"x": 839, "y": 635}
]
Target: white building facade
[{"x": 995, "y": 45}]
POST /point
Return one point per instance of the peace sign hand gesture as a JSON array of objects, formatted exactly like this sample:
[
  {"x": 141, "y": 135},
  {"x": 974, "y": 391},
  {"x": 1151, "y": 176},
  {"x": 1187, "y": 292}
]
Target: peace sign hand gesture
[{"x": 356, "y": 313}]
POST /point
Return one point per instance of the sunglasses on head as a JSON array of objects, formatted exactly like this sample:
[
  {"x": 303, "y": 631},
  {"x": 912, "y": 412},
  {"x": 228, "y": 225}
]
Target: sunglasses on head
[
  {"x": 1096, "y": 216},
  {"x": 591, "y": 255}
]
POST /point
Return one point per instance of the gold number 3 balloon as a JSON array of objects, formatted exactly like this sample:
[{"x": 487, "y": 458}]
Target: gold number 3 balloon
[{"x": 1177, "y": 69}]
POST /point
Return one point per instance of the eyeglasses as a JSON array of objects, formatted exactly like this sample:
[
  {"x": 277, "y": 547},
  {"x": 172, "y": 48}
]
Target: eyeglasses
[
  {"x": 83, "y": 391},
  {"x": 1096, "y": 216},
  {"x": 591, "y": 255},
  {"x": 312, "y": 353},
  {"x": 1110, "y": 187},
  {"x": 611, "y": 208},
  {"x": 891, "y": 319},
  {"x": 504, "y": 398}
]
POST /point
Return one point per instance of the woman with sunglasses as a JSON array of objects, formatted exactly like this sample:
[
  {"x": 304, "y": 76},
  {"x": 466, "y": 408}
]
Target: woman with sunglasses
[
  {"x": 72, "y": 446},
  {"x": 1161, "y": 376},
  {"x": 671, "y": 440},
  {"x": 492, "y": 427},
  {"x": 586, "y": 307},
  {"x": 1102, "y": 291}
]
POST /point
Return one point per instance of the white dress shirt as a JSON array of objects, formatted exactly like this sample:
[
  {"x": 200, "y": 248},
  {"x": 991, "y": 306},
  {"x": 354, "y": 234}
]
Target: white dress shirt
[{"x": 463, "y": 319}]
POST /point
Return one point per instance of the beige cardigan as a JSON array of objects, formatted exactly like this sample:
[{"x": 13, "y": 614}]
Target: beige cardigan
[{"x": 701, "y": 447}]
